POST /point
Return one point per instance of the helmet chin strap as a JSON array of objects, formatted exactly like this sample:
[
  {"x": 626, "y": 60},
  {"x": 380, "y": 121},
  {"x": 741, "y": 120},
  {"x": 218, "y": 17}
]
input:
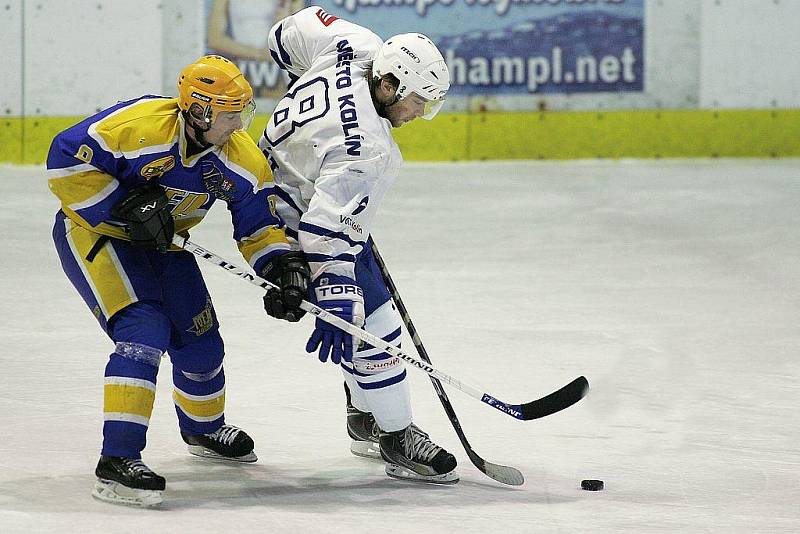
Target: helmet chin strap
[{"x": 199, "y": 132}]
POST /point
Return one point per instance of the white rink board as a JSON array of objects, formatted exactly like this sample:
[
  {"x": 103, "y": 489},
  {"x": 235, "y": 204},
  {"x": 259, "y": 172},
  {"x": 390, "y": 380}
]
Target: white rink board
[
  {"x": 82, "y": 57},
  {"x": 746, "y": 54},
  {"x": 672, "y": 285},
  {"x": 11, "y": 93}
]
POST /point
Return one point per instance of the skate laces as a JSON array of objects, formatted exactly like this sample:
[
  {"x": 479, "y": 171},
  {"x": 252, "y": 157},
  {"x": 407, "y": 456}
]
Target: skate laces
[
  {"x": 418, "y": 444},
  {"x": 225, "y": 434},
  {"x": 137, "y": 466}
]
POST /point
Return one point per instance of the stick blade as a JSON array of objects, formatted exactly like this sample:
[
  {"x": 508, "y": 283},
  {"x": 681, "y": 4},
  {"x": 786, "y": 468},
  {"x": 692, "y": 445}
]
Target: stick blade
[
  {"x": 557, "y": 400},
  {"x": 503, "y": 473}
]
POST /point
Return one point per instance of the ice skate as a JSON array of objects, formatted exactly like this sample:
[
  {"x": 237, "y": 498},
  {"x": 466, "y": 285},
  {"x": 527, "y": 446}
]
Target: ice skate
[
  {"x": 364, "y": 433},
  {"x": 411, "y": 455},
  {"x": 127, "y": 481},
  {"x": 227, "y": 443}
]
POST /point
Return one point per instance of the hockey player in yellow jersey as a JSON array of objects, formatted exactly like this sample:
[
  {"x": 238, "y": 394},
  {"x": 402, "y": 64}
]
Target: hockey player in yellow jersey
[{"x": 128, "y": 178}]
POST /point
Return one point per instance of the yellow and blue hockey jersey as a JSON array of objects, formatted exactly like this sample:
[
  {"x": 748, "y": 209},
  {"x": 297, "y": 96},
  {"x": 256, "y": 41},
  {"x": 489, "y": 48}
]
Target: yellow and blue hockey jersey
[{"x": 92, "y": 166}]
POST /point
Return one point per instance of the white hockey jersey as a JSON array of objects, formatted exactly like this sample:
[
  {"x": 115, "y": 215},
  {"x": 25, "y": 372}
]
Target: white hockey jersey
[{"x": 332, "y": 156}]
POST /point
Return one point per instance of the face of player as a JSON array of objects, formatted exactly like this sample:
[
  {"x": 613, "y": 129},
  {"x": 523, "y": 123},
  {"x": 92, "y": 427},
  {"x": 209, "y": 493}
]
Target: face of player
[
  {"x": 223, "y": 127},
  {"x": 406, "y": 110}
]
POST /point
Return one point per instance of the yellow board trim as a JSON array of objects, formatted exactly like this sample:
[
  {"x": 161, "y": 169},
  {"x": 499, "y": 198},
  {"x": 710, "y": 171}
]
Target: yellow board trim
[
  {"x": 614, "y": 134},
  {"x": 11, "y": 135},
  {"x": 129, "y": 399},
  {"x": 529, "y": 135}
]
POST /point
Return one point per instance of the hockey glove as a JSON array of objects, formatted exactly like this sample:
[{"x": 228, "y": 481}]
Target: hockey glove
[
  {"x": 146, "y": 213},
  {"x": 340, "y": 296},
  {"x": 290, "y": 273}
]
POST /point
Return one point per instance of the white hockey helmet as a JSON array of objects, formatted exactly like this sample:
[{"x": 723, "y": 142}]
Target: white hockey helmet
[{"x": 420, "y": 67}]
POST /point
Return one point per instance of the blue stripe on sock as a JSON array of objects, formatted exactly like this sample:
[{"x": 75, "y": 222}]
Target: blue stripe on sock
[{"x": 384, "y": 383}]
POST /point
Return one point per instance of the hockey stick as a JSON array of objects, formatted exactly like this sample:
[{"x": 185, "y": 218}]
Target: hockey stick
[
  {"x": 501, "y": 473},
  {"x": 549, "y": 404}
]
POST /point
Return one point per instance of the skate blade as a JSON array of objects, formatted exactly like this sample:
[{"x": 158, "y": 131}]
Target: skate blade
[
  {"x": 116, "y": 493},
  {"x": 403, "y": 473},
  {"x": 365, "y": 449},
  {"x": 208, "y": 454}
]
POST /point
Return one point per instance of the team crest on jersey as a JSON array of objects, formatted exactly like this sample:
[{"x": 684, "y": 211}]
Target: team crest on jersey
[
  {"x": 184, "y": 203},
  {"x": 158, "y": 168},
  {"x": 217, "y": 183},
  {"x": 203, "y": 321}
]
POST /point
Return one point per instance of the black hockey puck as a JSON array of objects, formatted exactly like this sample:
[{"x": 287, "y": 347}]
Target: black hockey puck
[{"x": 592, "y": 485}]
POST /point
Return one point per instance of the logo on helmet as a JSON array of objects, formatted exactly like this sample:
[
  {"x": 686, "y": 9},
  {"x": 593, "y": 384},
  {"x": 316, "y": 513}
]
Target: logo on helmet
[
  {"x": 411, "y": 54},
  {"x": 200, "y": 96}
]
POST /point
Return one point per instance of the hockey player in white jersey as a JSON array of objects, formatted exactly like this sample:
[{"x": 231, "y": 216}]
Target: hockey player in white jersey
[{"x": 330, "y": 146}]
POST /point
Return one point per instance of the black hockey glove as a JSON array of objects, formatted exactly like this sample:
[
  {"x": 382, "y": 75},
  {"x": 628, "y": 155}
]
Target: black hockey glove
[
  {"x": 290, "y": 273},
  {"x": 149, "y": 223}
]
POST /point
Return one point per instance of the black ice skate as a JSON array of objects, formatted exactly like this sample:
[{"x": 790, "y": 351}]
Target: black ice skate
[
  {"x": 411, "y": 455},
  {"x": 127, "y": 481},
  {"x": 227, "y": 443},
  {"x": 363, "y": 431}
]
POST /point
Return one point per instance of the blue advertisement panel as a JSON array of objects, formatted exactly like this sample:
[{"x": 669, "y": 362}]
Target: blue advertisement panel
[{"x": 505, "y": 47}]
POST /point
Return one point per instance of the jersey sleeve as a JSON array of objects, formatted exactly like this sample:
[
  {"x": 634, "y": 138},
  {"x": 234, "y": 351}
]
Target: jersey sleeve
[
  {"x": 92, "y": 165},
  {"x": 310, "y": 36},
  {"x": 289, "y": 47},
  {"x": 257, "y": 229},
  {"x": 337, "y": 223},
  {"x": 83, "y": 173}
]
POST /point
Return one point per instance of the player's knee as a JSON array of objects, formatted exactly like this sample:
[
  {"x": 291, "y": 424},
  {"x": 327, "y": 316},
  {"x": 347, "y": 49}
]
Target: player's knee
[
  {"x": 139, "y": 353},
  {"x": 383, "y": 321},
  {"x": 141, "y": 332},
  {"x": 201, "y": 360}
]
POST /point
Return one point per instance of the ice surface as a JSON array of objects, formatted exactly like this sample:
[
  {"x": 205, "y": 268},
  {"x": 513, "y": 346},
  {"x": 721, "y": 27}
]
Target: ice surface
[{"x": 674, "y": 286}]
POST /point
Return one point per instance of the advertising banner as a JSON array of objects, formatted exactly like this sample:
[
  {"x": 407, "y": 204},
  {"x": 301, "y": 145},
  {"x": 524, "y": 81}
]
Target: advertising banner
[
  {"x": 238, "y": 30},
  {"x": 492, "y": 47}
]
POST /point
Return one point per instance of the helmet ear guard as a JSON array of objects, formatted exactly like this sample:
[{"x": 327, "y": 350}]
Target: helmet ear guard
[{"x": 200, "y": 114}]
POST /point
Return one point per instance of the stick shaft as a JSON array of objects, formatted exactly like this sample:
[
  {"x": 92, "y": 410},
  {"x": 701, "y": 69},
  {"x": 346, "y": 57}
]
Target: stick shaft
[
  {"x": 501, "y": 473},
  {"x": 330, "y": 318},
  {"x": 554, "y": 402}
]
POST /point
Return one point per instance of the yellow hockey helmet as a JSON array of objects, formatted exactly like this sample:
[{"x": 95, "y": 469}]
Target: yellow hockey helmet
[{"x": 216, "y": 85}]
